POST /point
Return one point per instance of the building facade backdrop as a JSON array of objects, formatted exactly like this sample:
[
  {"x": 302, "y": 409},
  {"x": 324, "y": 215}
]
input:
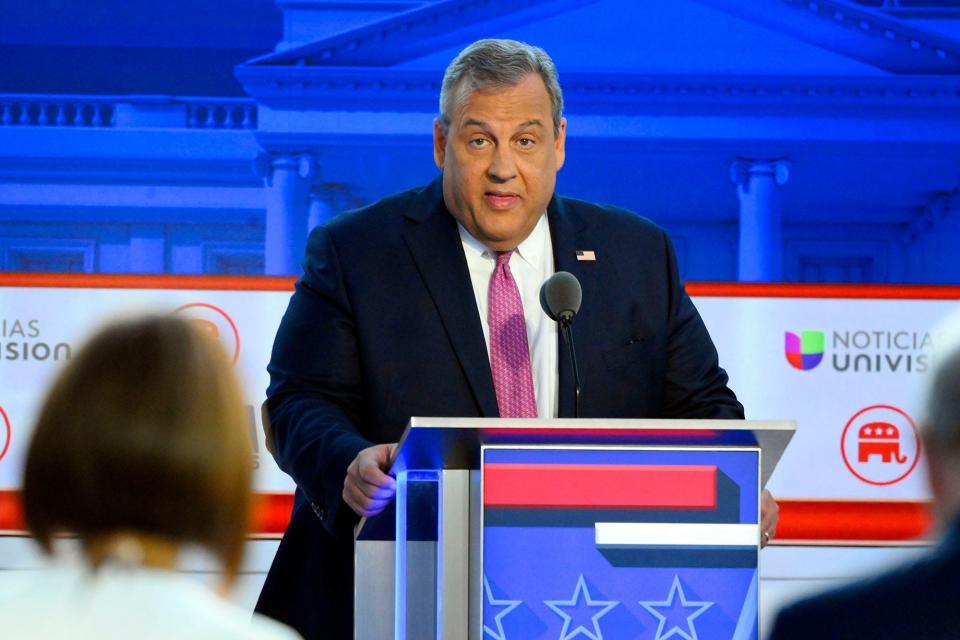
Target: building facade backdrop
[{"x": 777, "y": 140}]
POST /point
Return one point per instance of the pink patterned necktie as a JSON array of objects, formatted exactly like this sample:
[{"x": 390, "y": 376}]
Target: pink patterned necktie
[{"x": 509, "y": 352}]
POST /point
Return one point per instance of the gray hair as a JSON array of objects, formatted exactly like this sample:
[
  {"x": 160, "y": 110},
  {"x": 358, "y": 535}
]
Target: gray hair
[
  {"x": 942, "y": 408},
  {"x": 498, "y": 63}
]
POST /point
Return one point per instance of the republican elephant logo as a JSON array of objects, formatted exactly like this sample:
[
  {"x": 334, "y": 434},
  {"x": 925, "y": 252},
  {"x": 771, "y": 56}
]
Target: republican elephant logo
[
  {"x": 879, "y": 439},
  {"x": 880, "y": 445}
]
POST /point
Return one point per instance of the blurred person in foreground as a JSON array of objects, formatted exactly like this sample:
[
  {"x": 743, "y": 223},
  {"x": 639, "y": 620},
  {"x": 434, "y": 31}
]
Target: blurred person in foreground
[
  {"x": 141, "y": 451},
  {"x": 921, "y": 600}
]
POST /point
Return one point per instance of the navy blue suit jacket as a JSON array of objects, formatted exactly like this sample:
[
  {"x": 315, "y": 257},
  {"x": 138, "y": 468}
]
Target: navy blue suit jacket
[
  {"x": 917, "y": 601},
  {"x": 384, "y": 326}
]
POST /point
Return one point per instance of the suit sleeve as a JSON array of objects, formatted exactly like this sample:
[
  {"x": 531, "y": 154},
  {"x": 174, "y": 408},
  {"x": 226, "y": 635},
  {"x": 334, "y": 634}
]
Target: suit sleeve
[
  {"x": 791, "y": 624},
  {"x": 695, "y": 385},
  {"x": 315, "y": 395},
  {"x": 782, "y": 630}
]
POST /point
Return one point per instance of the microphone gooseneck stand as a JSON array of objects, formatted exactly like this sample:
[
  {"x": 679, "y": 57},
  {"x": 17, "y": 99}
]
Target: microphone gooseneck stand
[
  {"x": 566, "y": 330},
  {"x": 560, "y": 298}
]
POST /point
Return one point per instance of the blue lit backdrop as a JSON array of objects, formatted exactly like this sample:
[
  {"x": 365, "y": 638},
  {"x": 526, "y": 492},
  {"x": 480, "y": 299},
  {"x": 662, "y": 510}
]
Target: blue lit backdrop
[{"x": 774, "y": 139}]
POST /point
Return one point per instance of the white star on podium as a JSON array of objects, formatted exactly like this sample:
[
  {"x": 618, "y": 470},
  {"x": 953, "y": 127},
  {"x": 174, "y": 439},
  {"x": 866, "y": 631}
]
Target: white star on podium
[
  {"x": 574, "y": 601},
  {"x": 675, "y": 589},
  {"x": 508, "y": 606}
]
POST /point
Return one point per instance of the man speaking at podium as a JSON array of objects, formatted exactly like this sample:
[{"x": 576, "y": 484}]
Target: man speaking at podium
[{"x": 426, "y": 303}]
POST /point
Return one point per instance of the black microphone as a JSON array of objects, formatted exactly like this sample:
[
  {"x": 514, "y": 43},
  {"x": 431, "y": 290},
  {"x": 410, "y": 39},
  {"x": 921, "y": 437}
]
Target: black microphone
[{"x": 560, "y": 297}]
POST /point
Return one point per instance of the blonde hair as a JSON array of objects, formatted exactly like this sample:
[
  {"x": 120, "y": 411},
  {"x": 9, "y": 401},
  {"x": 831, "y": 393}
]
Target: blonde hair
[{"x": 144, "y": 430}]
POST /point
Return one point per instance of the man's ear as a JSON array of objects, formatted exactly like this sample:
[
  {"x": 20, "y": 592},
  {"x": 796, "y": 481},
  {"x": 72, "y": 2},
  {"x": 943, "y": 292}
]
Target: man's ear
[
  {"x": 439, "y": 143},
  {"x": 560, "y": 143}
]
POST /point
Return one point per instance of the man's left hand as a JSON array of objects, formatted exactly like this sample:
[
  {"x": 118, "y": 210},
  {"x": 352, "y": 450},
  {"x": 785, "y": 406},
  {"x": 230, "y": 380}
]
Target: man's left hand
[{"x": 769, "y": 514}]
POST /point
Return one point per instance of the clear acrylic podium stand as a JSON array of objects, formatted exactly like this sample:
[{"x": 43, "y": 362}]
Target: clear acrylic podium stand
[{"x": 519, "y": 524}]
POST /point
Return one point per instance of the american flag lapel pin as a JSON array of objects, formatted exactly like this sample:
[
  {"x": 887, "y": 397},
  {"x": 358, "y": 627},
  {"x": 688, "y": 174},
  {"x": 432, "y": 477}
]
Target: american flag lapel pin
[{"x": 586, "y": 256}]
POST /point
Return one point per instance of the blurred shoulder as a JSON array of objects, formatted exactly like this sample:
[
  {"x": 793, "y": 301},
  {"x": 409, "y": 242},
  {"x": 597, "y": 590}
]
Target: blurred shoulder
[{"x": 912, "y": 601}]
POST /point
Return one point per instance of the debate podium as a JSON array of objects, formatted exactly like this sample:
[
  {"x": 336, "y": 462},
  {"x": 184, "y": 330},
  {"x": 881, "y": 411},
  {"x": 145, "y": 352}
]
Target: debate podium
[{"x": 523, "y": 528}]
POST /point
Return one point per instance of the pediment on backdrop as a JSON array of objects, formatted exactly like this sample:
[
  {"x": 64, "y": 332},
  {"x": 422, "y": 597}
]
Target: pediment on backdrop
[
  {"x": 673, "y": 52},
  {"x": 656, "y": 92}
]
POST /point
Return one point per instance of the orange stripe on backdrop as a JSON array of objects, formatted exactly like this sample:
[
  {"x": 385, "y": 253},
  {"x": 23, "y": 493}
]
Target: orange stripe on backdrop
[
  {"x": 285, "y": 283},
  {"x": 801, "y": 521},
  {"x": 146, "y": 281},
  {"x": 800, "y": 290}
]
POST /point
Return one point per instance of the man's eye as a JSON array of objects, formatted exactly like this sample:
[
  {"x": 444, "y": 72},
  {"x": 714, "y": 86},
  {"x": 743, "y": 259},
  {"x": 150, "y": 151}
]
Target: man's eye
[
  {"x": 478, "y": 143},
  {"x": 526, "y": 143}
]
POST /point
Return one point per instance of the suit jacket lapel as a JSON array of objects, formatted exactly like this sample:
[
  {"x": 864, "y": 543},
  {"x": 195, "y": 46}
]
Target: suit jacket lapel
[
  {"x": 570, "y": 233},
  {"x": 435, "y": 246}
]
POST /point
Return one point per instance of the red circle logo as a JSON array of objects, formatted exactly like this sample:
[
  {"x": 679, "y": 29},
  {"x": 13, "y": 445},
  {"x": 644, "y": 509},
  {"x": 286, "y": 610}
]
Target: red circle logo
[
  {"x": 880, "y": 445},
  {"x": 215, "y": 322},
  {"x": 7, "y": 431}
]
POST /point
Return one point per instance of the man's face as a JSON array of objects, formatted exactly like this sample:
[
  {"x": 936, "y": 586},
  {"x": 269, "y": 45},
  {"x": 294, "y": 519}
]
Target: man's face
[{"x": 500, "y": 159}]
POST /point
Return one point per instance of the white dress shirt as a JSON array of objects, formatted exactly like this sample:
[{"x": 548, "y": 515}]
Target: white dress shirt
[
  {"x": 531, "y": 264},
  {"x": 69, "y": 600}
]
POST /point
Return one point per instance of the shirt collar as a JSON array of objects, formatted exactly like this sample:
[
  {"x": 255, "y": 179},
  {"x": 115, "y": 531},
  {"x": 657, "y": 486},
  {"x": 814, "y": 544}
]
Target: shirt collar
[
  {"x": 471, "y": 245},
  {"x": 530, "y": 250}
]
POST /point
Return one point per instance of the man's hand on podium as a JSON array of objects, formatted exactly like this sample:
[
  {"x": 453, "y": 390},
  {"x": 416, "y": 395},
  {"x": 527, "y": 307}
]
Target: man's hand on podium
[
  {"x": 367, "y": 488},
  {"x": 769, "y": 514}
]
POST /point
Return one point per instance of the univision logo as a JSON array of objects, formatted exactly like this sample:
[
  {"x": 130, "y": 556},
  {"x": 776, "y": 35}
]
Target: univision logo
[
  {"x": 860, "y": 350},
  {"x": 804, "y": 351}
]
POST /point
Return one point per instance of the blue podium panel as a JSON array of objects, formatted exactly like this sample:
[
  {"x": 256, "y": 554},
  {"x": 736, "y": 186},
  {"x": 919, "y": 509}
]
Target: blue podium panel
[{"x": 617, "y": 543}]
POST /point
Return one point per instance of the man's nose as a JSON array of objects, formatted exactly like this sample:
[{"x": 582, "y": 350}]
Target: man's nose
[{"x": 503, "y": 166}]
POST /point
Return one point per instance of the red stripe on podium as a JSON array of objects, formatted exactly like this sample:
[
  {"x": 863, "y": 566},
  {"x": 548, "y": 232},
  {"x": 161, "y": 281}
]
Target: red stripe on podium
[
  {"x": 588, "y": 486},
  {"x": 599, "y": 431}
]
